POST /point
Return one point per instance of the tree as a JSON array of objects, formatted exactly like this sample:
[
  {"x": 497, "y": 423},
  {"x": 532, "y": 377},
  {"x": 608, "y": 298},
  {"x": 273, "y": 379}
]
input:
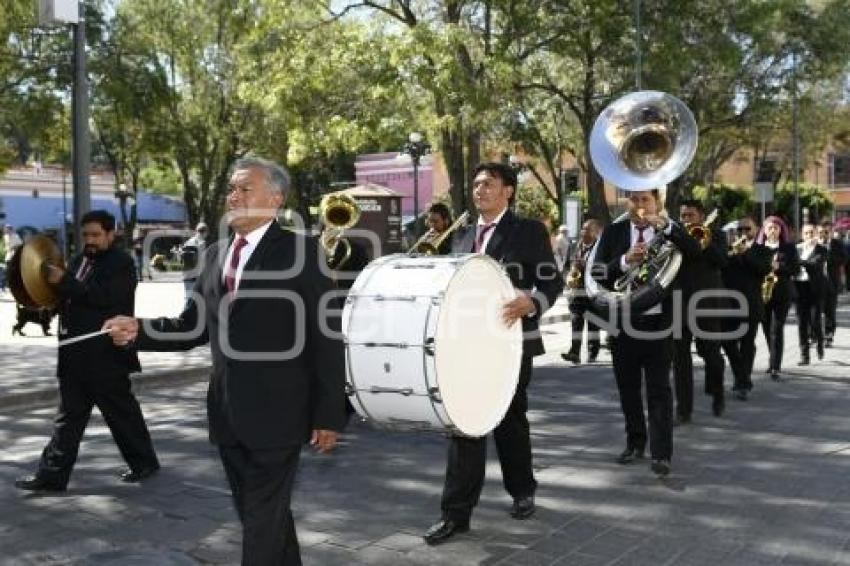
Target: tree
[
  {"x": 445, "y": 49},
  {"x": 813, "y": 198}
]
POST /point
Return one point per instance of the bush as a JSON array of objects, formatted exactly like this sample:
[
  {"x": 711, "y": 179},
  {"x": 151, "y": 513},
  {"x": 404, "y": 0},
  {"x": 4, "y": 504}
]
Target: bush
[
  {"x": 533, "y": 201},
  {"x": 813, "y": 197},
  {"x": 732, "y": 202}
]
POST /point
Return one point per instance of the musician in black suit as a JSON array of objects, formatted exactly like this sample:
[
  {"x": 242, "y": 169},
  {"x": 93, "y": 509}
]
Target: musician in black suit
[
  {"x": 748, "y": 264},
  {"x": 835, "y": 261},
  {"x": 99, "y": 284},
  {"x": 278, "y": 374},
  {"x": 522, "y": 245},
  {"x": 579, "y": 303},
  {"x": 811, "y": 283},
  {"x": 642, "y": 349},
  {"x": 784, "y": 265},
  {"x": 439, "y": 220},
  {"x": 698, "y": 275}
]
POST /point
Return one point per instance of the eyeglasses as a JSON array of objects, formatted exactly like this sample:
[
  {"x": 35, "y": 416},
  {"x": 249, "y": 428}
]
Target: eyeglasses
[{"x": 746, "y": 228}]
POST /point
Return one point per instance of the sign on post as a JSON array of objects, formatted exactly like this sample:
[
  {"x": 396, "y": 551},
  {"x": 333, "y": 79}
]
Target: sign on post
[
  {"x": 572, "y": 215},
  {"x": 53, "y": 12}
]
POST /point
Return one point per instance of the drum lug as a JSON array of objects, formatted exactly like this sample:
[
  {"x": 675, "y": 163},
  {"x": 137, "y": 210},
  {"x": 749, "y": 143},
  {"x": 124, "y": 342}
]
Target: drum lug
[
  {"x": 434, "y": 394},
  {"x": 429, "y": 346},
  {"x": 404, "y": 391}
]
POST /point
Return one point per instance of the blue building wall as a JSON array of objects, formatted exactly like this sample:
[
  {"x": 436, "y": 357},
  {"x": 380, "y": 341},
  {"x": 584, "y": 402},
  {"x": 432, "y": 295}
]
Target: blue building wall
[{"x": 45, "y": 212}]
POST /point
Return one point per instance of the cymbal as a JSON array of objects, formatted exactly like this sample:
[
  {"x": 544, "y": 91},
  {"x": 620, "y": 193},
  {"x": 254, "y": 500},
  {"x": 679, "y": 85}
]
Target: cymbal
[{"x": 26, "y": 279}]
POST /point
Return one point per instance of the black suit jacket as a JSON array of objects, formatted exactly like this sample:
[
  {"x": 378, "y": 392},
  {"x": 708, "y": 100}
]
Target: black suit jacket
[
  {"x": 835, "y": 261},
  {"x": 108, "y": 290},
  {"x": 522, "y": 246},
  {"x": 745, "y": 273},
  {"x": 703, "y": 272},
  {"x": 789, "y": 265},
  {"x": 616, "y": 240},
  {"x": 815, "y": 266},
  {"x": 264, "y": 403}
]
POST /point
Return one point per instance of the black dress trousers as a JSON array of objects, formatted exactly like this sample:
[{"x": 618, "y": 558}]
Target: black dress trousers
[
  {"x": 113, "y": 396},
  {"x": 467, "y": 458}
]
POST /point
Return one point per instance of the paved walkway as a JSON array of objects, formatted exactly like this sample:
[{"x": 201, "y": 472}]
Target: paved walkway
[
  {"x": 768, "y": 483},
  {"x": 29, "y": 362}
]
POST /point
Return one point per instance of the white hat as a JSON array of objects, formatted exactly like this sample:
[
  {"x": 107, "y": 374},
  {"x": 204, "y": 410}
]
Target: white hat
[
  {"x": 201, "y": 226},
  {"x": 563, "y": 228}
]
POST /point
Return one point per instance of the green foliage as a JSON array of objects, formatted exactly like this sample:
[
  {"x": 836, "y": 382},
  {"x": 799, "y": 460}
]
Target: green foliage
[
  {"x": 161, "y": 178},
  {"x": 534, "y": 201},
  {"x": 812, "y": 197},
  {"x": 731, "y": 202}
]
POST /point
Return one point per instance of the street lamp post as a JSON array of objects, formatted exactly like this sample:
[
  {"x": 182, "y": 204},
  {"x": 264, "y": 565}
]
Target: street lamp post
[
  {"x": 416, "y": 147},
  {"x": 123, "y": 195}
]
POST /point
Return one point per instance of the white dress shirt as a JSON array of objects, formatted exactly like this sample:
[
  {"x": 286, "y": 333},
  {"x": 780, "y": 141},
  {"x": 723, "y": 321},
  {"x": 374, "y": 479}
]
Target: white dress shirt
[
  {"x": 253, "y": 238},
  {"x": 489, "y": 234},
  {"x": 648, "y": 234}
]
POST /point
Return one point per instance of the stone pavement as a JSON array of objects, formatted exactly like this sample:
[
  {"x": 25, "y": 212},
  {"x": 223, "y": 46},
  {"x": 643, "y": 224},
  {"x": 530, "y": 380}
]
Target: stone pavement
[
  {"x": 29, "y": 362},
  {"x": 767, "y": 483}
]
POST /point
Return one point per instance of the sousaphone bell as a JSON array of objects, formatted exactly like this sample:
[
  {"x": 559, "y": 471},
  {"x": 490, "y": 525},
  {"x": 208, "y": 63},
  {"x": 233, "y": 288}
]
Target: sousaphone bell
[
  {"x": 26, "y": 273},
  {"x": 641, "y": 141}
]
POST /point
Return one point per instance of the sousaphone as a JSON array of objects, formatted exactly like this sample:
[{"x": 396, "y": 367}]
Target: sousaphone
[
  {"x": 26, "y": 276},
  {"x": 641, "y": 141}
]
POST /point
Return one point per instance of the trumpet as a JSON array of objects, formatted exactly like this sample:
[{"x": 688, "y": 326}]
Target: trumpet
[
  {"x": 739, "y": 246},
  {"x": 430, "y": 241},
  {"x": 339, "y": 212},
  {"x": 702, "y": 232}
]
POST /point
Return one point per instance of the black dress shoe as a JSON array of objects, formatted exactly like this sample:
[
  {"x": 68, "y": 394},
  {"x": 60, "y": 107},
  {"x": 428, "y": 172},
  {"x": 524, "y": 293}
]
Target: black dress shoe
[
  {"x": 523, "y": 507},
  {"x": 774, "y": 374},
  {"x": 35, "y": 483},
  {"x": 718, "y": 405},
  {"x": 661, "y": 467},
  {"x": 572, "y": 357},
  {"x": 443, "y": 530},
  {"x": 629, "y": 455},
  {"x": 134, "y": 476},
  {"x": 681, "y": 419}
]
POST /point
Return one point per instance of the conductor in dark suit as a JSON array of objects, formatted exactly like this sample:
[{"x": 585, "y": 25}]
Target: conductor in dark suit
[
  {"x": 642, "y": 349},
  {"x": 100, "y": 283},
  {"x": 522, "y": 245},
  {"x": 700, "y": 275},
  {"x": 277, "y": 377}
]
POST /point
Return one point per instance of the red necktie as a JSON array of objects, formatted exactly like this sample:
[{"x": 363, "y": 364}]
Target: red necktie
[
  {"x": 230, "y": 274},
  {"x": 482, "y": 233},
  {"x": 640, "y": 230},
  {"x": 84, "y": 269}
]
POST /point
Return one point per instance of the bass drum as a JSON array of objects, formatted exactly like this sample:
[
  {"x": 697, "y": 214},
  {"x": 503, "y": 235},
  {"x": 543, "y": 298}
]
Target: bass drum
[{"x": 426, "y": 346}]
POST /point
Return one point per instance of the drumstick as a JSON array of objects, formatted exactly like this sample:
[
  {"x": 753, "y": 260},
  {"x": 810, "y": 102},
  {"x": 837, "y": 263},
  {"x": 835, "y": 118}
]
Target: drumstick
[{"x": 82, "y": 337}]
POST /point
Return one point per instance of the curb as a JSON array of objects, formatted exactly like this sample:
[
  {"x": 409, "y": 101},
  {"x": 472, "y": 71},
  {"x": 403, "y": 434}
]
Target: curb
[{"x": 140, "y": 382}]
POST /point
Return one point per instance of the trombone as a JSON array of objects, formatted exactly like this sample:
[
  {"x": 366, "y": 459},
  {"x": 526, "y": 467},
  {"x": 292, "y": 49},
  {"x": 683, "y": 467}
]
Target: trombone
[{"x": 429, "y": 243}]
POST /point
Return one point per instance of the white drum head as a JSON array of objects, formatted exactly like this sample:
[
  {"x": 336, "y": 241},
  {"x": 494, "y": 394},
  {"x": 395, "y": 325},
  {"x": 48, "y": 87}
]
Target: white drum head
[{"x": 477, "y": 356}]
